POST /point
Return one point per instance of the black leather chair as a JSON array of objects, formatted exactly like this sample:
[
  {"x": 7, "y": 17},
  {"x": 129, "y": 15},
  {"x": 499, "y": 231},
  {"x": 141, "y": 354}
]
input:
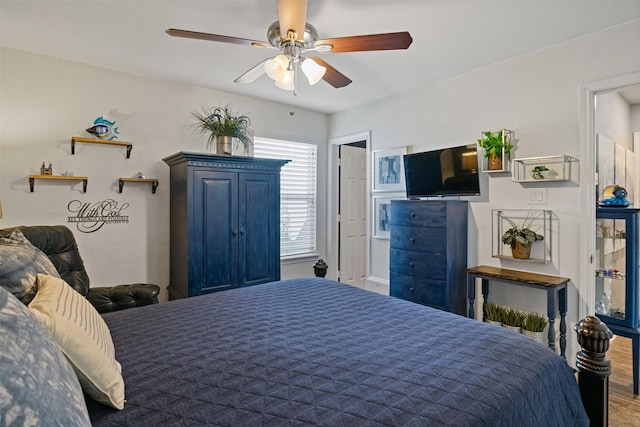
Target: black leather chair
[{"x": 59, "y": 244}]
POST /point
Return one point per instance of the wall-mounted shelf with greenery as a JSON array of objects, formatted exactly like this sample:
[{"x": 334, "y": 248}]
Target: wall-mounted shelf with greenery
[
  {"x": 84, "y": 180},
  {"x": 497, "y": 146},
  {"x": 153, "y": 181},
  {"x": 542, "y": 169},
  {"x": 522, "y": 234},
  {"x": 75, "y": 139}
]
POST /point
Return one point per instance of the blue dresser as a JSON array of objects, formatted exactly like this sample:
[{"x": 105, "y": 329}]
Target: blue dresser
[
  {"x": 225, "y": 222},
  {"x": 428, "y": 255}
]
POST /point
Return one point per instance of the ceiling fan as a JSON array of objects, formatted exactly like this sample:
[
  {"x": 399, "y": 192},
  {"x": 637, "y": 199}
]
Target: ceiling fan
[{"x": 295, "y": 38}]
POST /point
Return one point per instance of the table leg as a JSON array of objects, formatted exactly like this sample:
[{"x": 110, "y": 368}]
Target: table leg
[
  {"x": 551, "y": 314},
  {"x": 471, "y": 294},
  {"x": 485, "y": 295},
  {"x": 562, "y": 304},
  {"x": 635, "y": 352}
]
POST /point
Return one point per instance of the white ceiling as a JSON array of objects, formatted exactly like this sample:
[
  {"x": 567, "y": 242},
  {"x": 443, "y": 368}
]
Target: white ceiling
[{"x": 450, "y": 37}]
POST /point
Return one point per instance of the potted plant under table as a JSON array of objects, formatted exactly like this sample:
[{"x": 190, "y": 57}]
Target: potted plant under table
[
  {"x": 493, "y": 313},
  {"x": 512, "y": 319},
  {"x": 533, "y": 326}
]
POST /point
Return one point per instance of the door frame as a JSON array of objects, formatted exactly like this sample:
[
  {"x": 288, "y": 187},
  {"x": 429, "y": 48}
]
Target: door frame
[
  {"x": 333, "y": 239},
  {"x": 587, "y": 137}
]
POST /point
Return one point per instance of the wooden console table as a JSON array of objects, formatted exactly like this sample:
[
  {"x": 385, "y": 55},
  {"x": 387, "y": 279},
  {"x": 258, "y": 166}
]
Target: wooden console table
[{"x": 555, "y": 286}]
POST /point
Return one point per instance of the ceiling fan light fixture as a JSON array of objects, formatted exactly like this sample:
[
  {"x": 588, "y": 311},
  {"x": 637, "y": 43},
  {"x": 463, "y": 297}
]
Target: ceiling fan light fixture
[
  {"x": 276, "y": 67},
  {"x": 312, "y": 70},
  {"x": 287, "y": 82}
]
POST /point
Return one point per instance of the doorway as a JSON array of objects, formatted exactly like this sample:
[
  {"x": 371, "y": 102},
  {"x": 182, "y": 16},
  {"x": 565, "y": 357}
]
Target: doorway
[
  {"x": 588, "y": 179},
  {"x": 348, "y": 219}
]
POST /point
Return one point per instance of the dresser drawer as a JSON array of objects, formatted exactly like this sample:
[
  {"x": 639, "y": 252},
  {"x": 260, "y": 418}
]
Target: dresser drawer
[
  {"x": 418, "y": 264},
  {"x": 422, "y": 291},
  {"x": 418, "y": 214},
  {"x": 428, "y": 240}
]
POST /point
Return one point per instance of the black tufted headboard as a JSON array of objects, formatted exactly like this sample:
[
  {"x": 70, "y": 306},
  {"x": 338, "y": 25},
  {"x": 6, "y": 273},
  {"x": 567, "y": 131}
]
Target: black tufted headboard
[{"x": 59, "y": 244}]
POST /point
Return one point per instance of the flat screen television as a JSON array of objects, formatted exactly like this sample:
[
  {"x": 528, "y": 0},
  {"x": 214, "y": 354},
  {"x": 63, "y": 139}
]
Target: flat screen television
[{"x": 444, "y": 172}]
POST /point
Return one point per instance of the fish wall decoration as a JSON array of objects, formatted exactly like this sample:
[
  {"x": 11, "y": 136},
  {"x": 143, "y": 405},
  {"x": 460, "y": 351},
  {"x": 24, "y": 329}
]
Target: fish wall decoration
[{"x": 104, "y": 129}]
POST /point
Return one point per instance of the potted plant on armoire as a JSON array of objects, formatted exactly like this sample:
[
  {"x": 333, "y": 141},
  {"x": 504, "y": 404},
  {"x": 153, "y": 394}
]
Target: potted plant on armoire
[{"x": 221, "y": 126}]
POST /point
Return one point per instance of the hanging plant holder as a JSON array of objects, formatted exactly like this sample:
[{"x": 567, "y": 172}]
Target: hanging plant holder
[{"x": 497, "y": 147}]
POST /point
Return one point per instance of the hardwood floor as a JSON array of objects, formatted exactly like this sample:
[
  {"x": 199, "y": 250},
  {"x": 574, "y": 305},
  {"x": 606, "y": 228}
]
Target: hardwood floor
[{"x": 624, "y": 406}]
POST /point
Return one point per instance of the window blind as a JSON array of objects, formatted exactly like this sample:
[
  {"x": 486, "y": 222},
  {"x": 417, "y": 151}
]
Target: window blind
[{"x": 297, "y": 193}]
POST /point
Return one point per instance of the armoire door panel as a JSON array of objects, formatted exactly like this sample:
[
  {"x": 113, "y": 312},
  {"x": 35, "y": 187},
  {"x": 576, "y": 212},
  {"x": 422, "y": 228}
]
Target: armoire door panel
[
  {"x": 216, "y": 233},
  {"x": 258, "y": 226}
]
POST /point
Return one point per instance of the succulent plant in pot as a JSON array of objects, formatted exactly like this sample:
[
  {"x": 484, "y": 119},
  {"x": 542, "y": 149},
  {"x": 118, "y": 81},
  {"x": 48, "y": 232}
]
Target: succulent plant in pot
[
  {"x": 493, "y": 313},
  {"x": 539, "y": 172},
  {"x": 534, "y": 325},
  {"x": 534, "y": 322},
  {"x": 521, "y": 236},
  {"x": 512, "y": 318},
  {"x": 220, "y": 125}
]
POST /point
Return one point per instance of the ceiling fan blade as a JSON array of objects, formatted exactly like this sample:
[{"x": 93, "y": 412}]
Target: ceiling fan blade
[
  {"x": 385, "y": 41},
  {"x": 174, "y": 32},
  {"x": 292, "y": 15},
  {"x": 251, "y": 75},
  {"x": 332, "y": 76}
]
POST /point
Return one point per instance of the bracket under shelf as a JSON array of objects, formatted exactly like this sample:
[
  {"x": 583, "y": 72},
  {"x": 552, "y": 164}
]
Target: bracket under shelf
[
  {"x": 153, "y": 181},
  {"x": 84, "y": 180},
  {"x": 75, "y": 139}
]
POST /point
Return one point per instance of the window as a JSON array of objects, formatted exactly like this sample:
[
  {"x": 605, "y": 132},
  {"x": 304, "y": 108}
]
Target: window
[{"x": 297, "y": 194}]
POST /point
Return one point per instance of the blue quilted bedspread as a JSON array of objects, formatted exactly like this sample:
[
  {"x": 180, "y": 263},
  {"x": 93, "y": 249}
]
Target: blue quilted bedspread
[{"x": 316, "y": 352}]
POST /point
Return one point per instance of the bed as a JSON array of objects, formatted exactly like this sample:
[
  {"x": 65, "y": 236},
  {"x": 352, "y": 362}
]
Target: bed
[{"x": 312, "y": 351}]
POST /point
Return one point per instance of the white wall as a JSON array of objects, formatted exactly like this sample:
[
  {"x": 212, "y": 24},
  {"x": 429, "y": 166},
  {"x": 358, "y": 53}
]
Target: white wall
[
  {"x": 613, "y": 118},
  {"x": 535, "y": 95},
  {"x": 45, "y": 101},
  {"x": 635, "y": 117}
]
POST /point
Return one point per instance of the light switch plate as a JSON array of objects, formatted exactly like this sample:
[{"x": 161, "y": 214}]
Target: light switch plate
[{"x": 536, "y": 196}]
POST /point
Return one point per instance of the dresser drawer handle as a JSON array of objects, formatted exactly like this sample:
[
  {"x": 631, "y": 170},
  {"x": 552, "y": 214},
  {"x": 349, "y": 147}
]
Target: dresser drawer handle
[
  {"x": 412, "y": 214},
  {"x": 413, "y": 290},
  {"x": 412, "y": 265},
  {"x": 412, "y": 239}
]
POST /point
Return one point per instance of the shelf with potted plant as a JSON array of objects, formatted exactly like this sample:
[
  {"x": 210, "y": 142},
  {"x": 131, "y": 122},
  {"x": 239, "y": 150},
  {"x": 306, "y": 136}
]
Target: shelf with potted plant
[
  {"x": 542, "y": 169},
  {"x": 522, "y": 234},
  {"x": 497, "y": 146}
]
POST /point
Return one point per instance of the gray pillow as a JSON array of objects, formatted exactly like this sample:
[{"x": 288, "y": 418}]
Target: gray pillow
[
  {"x": 37, "y": 384},
  {"x": 20, "y": 263}
]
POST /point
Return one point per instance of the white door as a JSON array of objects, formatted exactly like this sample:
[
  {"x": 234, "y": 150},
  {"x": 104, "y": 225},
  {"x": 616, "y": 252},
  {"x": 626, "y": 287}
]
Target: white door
[{"x": 353, "y": 215}]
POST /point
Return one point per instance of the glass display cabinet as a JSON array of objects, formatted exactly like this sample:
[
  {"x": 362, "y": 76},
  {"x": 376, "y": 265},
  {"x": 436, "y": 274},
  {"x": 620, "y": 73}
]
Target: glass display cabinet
[{"x": 616, "y": 270}]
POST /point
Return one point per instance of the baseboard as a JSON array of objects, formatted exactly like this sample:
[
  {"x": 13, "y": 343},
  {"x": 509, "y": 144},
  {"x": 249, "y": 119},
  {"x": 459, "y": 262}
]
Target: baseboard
[{"x": 377, "y": 284}]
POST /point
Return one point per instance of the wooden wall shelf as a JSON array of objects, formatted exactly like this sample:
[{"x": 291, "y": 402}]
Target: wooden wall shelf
[
  {"x": 153, "y": 181},
  {"x": 84, "y": 180},
  {"x": 75, "y": 139}
]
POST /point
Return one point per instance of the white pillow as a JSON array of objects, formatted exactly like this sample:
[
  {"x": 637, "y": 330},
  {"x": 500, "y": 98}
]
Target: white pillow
[{"x": 83, "y": 337}]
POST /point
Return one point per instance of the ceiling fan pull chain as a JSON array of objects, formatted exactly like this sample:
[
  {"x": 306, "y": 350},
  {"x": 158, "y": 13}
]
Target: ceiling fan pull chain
[{"x": 295, "y": 78}]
